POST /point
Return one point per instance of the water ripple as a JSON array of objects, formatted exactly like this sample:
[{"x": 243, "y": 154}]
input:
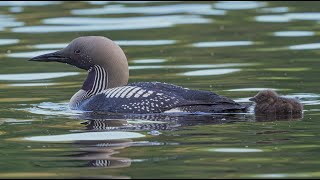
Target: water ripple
[
  {"x": 222, "y": 43},
  {"x": 306, "y": 98},
  {"x": 272, "y": 18},
  {"x": 294, "y": 33},
  {"x": 193, "y": 66},
  {"x": 282, "y": 175},
  {"x": 137, "y": 2},
  {"x": 9, "y": 21},
  {"x": 101, "y": 24},
  {"x": 208, "y": 72},
  {"x": 8, "y": 41},
  {"x": 315, "y": 16},
  {"x": 35, "y": 76},
  {"x": 28, "y": 54},
  {"x": 145, "y": 42},
  {"x": 79, "y": 28},
  {"x": 52, "y": 109},
  {"x": 304, "y": 16},
  {"x": 16, "y": 9},
  {"x": 119, "y": 42},
  {"x": 50, "y": 46},
  {"x": 252, "y": 89},
  {"x": 31, "y": 84},
  {"x": 88, "y": 136},
  {"x": 175, "y": 19},
  {"x": 205, "y": 9},
  {"x": 98, "y": 2},
  {"x": 274, "y": 10},
  {"x": 305, "y": 46},
  {"x": 28, "y": 3},
  {"x": 239, "y": 5},
  {"x": 146, "y": 61},
  {"x": 235, "y": 150}
]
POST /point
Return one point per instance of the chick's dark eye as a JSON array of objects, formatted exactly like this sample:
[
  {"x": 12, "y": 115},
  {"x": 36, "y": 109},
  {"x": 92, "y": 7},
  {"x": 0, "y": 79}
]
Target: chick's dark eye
[{"x": 77, "y": 51}]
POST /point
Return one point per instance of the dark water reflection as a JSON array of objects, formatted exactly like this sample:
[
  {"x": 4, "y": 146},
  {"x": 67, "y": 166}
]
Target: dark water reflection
[{"x": 232, "y": 48}]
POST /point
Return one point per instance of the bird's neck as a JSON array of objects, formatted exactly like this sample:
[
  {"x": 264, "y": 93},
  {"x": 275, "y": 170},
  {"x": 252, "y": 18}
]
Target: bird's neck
[{"x": 97, "y": 81}]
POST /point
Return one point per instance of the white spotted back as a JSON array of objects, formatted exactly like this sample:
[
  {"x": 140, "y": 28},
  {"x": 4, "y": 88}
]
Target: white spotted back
[{"x": 126, "y": 92}]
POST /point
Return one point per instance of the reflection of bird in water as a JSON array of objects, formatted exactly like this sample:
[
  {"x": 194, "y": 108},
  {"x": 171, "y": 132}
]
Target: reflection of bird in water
[
  {"x": 277, "y": 117},
  {"x": 100, "y": 124},
  {"x": 110, "y": 124},
  {"x": 149, "y": 122},
  {"x": 111, "y": 162},
  {"x": 100, "y": 153},
  {"x": 269, "y": 105}
]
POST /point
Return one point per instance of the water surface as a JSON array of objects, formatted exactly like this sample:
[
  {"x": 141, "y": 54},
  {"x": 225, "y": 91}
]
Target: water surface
[{"x": 234, "y": 49}]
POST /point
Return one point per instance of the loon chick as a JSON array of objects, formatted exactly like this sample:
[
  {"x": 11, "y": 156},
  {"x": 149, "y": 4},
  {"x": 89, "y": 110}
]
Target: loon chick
[
  {"x": 106, "y": 90},
  {"x": 269, "y": 102}
]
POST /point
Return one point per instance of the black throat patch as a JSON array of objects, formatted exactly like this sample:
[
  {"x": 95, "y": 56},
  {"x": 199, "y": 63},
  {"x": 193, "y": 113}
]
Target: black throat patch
[{"x": 88, "y": 83}]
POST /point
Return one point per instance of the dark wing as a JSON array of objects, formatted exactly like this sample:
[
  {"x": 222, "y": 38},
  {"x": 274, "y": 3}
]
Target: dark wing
[
  {"x": 157, "y": 97},
  {"x": 188, "y": 94},
  {"x": 197, "y": 100}
]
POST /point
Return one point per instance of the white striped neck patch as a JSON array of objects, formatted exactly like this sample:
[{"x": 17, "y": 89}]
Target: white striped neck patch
[{"x": 96, "y": 82}]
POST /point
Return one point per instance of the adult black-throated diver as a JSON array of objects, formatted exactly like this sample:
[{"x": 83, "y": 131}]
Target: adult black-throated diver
[{"x": 106, "y": 88}]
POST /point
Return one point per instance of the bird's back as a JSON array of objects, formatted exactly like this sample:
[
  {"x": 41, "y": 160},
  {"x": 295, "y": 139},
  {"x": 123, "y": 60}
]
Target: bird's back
[
  {"x": 289, "y": 105},
  {"x": 156, "y": 97}
]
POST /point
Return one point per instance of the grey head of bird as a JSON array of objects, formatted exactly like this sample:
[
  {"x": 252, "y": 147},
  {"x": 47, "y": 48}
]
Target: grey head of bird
[
  {"x": 268, "y": 96},
  {"x": 88, "y": 51}
]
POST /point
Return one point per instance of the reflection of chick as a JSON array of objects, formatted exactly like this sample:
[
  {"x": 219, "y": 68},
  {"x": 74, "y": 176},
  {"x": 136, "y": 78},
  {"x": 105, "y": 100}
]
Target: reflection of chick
[{"x": 268, "y": 102}]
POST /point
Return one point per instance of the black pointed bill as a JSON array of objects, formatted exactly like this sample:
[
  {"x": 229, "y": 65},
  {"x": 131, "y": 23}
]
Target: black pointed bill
[{"x": 51, "y": 57}]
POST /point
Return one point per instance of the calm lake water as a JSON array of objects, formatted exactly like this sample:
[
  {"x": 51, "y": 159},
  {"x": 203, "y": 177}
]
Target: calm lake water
[{"x": 232, "y": 48}]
